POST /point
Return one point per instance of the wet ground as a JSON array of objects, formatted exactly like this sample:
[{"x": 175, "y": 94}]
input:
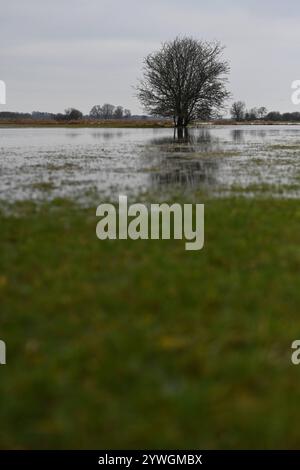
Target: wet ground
[{"x": 42, "y": 163}]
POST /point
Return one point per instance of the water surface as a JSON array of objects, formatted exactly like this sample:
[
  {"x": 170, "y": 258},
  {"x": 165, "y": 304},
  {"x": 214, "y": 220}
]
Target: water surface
[{"x": 38, "y": 163}]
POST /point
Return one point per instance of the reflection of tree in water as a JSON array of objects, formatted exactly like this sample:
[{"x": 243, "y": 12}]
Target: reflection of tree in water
[
  {"x": 185, "y": 174},
  {"x": 73, "y": 135},
  {"x": 195, "y": 140},
  {"x": 106, "y": 135},
  {"x": 239, "y": 135},
  {"x": 182, "y": 170}
]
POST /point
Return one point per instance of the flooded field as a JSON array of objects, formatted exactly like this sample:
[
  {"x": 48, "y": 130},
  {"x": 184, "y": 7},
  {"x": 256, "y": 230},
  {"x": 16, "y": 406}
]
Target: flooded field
[{"x": 39, "y": 163}]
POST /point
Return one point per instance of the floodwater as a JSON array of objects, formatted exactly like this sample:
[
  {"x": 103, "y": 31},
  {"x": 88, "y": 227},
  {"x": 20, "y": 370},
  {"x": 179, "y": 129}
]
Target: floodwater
[{"x": 43, "y": 163}]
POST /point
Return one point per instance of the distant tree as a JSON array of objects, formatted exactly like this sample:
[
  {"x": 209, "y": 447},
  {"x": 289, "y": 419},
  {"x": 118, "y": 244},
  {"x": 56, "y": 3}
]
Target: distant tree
[
  {"x": 184, "y": 80},
  {"x": 127, "y": 113},
  {"x": 262, "y": 112},
  {"x": 107, "y": 111},
  {"x": 42, "y": 116},
  {"x": 73, "y": 114},
  {"x": 237, "y": 111},
  {"x": 96, "y": 112},
  {"x": 296, "y": 116},
  {"x": 60, "y": 117},
  {"x": 14, "y": 115},
  {"x": 290, "y": 116},
  {"x": 118, "y": 112},
  {"x": 273, "y": 116},
  {"x": 251, "y": 114}
]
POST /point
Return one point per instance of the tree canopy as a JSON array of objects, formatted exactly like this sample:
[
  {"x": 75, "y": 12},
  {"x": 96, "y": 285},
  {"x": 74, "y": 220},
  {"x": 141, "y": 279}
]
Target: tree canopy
[{"x": 184, "y": 80}]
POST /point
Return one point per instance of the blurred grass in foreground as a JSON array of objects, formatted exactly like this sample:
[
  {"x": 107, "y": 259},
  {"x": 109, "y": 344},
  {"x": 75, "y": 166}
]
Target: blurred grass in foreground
[{"x": 140, "y": 344}]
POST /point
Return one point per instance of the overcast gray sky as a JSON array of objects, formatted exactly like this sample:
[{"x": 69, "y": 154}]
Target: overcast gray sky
[{"x": 60, "y": 53}]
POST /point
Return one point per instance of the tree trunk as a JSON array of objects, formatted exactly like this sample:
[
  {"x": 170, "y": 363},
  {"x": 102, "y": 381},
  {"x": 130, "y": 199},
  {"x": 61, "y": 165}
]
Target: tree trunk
[
  {"x": 180, "y": 122},
  {"x": 180, "y": 133}
]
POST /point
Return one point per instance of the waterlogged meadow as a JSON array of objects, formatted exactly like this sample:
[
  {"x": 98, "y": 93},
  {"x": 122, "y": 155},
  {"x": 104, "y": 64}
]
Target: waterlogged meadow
[
  {"x": 44, "y": 163},
  {"x": 142, "y": 344}
]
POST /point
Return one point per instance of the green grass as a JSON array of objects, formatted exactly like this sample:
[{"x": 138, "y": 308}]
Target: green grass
[
  {"x": 140, "y": 344},
  {"x": 266, "y": 189}
]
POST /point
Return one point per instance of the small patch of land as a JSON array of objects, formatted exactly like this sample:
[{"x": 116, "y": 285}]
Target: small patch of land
[
  {"x": 107, "y": 123},
  {"x": 131, "y": 123}
]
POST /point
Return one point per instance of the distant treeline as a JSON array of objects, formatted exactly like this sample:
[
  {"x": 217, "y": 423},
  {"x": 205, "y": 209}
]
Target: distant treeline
[
  {"x": 276, "y": 116},
  {"x": 107, "y": 111},
  {"x": 239, "y": 112}
]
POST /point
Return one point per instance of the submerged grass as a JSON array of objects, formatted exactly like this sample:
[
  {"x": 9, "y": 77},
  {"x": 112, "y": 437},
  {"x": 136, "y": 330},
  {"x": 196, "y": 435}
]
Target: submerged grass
[
  {"x": 284, "y": 147},
  {"x": 43, "y": 185},
  {"x": 215, "y": 154},
  {"x": 140, "y": 344}
]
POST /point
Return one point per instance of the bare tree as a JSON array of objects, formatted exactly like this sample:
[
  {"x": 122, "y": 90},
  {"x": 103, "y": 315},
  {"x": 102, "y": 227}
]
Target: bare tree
[
  {"x": 127, "y": 113},
  {"x": 96, "y": 112},
  {"x": 251, "y": 114},
  {"x": 184, "y": 80},
  {"x": 118, "y": 112},
  {"x": 108, "y": 111},
  {"x": 73, "y": 114},
  {"x": 237, "y": 111},
  {"x": 262, "y": 112}
]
